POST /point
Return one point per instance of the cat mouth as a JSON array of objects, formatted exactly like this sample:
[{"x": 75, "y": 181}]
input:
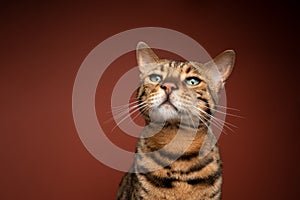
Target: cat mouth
[{"x": 168, "y": 104}]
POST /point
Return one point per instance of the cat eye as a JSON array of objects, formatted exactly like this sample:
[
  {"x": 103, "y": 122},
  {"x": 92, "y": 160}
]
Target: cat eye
[
  {"x": 192, "y": 81},
  {"x": 155, "y": 78}
]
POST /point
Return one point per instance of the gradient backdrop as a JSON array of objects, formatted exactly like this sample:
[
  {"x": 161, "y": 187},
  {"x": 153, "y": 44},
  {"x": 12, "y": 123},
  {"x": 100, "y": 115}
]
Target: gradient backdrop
[{"x": 44, "y": 44}]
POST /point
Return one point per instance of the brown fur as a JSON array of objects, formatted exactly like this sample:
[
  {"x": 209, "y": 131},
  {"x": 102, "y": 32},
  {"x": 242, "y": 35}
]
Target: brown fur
[{"x": 169, "y": 164}]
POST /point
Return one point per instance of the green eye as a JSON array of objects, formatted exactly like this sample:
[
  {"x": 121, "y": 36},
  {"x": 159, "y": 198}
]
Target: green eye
[
  {"x": 192, "y": 81},
  {"x": 155, "y": 78}
]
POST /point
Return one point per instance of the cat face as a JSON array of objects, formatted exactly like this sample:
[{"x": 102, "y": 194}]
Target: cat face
[{"x": 174, "y": 91}]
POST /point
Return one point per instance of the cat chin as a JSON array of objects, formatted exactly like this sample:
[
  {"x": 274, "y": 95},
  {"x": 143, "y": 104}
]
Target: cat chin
[
  {"x": 164, "y": 113},
  {"x": 167, "y": 113}
]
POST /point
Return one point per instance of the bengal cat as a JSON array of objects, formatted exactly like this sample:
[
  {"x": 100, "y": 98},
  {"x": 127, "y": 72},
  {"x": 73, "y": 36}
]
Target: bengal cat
[{"x": 177, "y": 156}]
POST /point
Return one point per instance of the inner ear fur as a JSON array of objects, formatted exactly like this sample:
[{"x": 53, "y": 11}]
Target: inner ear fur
[
  {"x": 145, "y": 56},
  {"x": 224, "y": 63}
]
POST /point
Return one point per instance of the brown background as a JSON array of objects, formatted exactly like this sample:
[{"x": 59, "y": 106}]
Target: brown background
[{"x": 43, "y": 45}]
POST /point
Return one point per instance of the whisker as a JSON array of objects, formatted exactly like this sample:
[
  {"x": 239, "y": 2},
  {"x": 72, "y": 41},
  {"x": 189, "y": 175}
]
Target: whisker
[
  {"x": 228, "y": 108},
  {"x": 218, "y": 126},
  {"x": 202, "y": 120},
  {"x": 215, "y": 121},
  {"x": 127, "y": 116},
  {"x": 208, "y": 114},
  {"x": 126, "y": 111},
  {"x": 140, "y": 113},
  {"x": 129, "y": 111},
  {"x": 225, "y": 113},
  {"x": 218, "y": 121},
  {"x": 126, "y": 105}
]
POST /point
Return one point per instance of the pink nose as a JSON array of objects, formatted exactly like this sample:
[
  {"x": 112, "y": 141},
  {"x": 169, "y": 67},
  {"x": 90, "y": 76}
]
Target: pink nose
[{"x": 169, "y": 87}]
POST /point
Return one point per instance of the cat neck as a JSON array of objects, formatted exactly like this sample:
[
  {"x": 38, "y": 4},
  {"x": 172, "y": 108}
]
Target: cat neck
[{"x": 182, "y": 139}]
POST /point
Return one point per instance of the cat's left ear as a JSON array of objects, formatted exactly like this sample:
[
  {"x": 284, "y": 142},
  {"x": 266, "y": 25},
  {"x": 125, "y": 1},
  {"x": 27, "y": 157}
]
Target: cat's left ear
[
  {"x": 145, "y": 56},
  {"x": 224, "y": 63}
]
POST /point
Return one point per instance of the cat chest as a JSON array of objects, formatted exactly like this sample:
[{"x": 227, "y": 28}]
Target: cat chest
[{"x": 182, "y": 191}]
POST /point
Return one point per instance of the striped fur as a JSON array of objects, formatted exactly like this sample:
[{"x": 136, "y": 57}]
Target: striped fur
[{"x": 178, "y": 172}]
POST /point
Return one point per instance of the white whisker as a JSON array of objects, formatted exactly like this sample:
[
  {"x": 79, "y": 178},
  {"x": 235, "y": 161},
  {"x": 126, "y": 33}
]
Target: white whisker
[
  {"x": 217, "y": 121},
  {"x": 127, "y": 109},
  {"x": 127, "y": 116},
  {"x": 130, "y": 105},
  {"x": 228, "y": 108},
  {"x": 225, "y": 113}
]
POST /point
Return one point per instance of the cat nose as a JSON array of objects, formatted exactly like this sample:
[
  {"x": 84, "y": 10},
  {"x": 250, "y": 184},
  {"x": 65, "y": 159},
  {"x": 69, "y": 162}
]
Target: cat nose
[{"x": 169, "y": 87}]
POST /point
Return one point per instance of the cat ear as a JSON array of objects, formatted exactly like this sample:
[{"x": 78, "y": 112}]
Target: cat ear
[
  {"x": 145, "y": 56},
  {"x": 224, "y": 63}
]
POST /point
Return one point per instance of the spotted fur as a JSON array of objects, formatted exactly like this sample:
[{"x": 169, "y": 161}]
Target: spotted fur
[{"x": 179, "y": 171}]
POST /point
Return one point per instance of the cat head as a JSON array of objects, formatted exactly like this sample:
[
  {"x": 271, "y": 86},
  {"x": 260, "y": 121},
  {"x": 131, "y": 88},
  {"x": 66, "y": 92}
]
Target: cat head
[{"x": 174, "y": 90}]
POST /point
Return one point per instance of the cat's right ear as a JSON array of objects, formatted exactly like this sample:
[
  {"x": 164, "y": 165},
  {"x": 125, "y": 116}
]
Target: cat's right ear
[
  {"x": 145, "y": 56},
  {"x": 224, "y": 63}
]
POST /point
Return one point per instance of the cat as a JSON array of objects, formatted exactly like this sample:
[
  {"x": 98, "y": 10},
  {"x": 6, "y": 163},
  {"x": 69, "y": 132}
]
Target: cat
[{"x": 174, "y": 159}]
